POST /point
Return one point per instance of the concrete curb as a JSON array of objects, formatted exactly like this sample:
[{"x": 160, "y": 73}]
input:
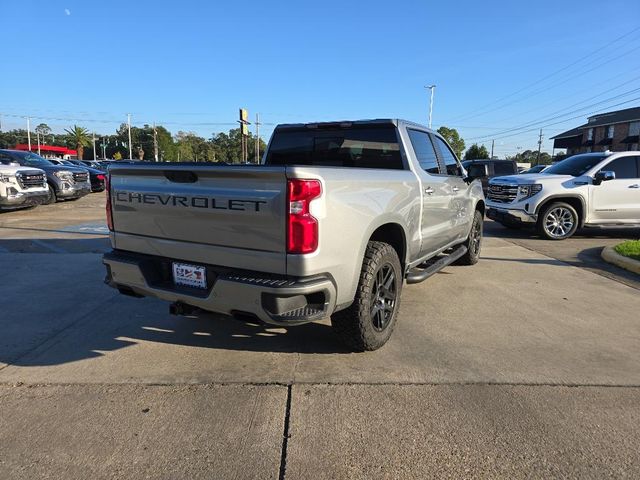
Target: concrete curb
[{"x": 611, "y": 256}]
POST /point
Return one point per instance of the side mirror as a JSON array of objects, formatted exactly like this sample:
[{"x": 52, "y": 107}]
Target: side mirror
[{"x": 603, "y": 176}]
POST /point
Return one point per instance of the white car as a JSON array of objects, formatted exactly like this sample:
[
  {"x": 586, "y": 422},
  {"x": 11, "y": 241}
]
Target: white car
[
  {"x": 591, "y": 189},
  {"x": 22, "y": 187}
]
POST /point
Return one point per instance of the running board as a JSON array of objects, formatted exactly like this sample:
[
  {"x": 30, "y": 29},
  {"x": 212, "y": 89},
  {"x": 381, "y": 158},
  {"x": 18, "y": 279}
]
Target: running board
[{"x": 417, "y": 275}]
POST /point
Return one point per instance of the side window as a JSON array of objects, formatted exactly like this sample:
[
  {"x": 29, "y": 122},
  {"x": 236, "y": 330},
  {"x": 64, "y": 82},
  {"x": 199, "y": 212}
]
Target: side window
[
  {"x": 503, "y": 168},
  {"x": 625, "y": 167},
  {"x": 5, "y": 159},
  {"x": 425, "y": 153},
  {"x": 449, "y": 159}
]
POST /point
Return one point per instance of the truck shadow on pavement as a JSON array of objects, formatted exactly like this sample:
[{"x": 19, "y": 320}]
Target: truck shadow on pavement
[{"x": 108, "y": 329}]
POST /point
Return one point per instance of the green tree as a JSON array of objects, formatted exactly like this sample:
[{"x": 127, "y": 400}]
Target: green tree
[
  {"x": 452, "y": 136},
  {"x": 43, "y": 129},
  {"x": 228, "y": 146},
  {"x": 79, "y": 137},
  {"x": 11, "y": 138},
  {"x": 476, "y": 152},
  {"x": 531, "y": 157}
]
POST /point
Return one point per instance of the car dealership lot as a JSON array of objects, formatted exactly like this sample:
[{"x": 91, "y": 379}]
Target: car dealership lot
[{"x": 523, "y": 365}]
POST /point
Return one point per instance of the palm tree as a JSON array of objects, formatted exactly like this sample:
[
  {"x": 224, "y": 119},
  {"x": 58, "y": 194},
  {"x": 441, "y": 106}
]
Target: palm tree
[{"x": 80, "y": 137}]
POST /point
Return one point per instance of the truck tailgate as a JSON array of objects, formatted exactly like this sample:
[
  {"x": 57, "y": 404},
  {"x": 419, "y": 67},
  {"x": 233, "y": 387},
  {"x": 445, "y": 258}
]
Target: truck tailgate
[{"x": 232, "y": 207}]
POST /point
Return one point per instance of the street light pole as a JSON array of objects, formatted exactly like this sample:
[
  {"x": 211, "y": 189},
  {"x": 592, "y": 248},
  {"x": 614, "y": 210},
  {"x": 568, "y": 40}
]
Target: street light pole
[
  {"x": 29, "y": 132},
  {"x": 432, "y": 88},
  {"x": 94, "y": 146}
]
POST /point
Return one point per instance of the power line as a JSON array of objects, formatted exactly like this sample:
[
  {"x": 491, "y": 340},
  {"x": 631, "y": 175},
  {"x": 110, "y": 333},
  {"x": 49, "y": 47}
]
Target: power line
[
  {"x": 545, "y": 89},
  {"x": 557, "y": 115},
  {"x": 566, "y": 119},
  {"x": 552, "y": 74},
  {"x": 590, "y": 89}
]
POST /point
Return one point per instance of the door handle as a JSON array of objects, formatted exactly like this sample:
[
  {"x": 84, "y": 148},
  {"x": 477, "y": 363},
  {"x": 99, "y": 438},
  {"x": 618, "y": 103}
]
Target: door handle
[
  {"x": 428, "y": 190},
  {"x": 635, "y": 185},
  {"x": 455, "y": 189}
]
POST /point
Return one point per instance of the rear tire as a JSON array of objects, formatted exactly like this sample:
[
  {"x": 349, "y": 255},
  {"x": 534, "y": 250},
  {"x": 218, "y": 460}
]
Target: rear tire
[
  {"x": 369, "y": 322},
  {"x": 473, "y": 242},
  {"x": 558, "y": 221}
]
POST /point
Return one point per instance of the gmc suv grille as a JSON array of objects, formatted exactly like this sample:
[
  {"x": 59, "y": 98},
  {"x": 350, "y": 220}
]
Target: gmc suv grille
[
  {"x": 30, "y": 179},
  {"x": 81, "y": 177},
  {"x": 502, "y": 193}
]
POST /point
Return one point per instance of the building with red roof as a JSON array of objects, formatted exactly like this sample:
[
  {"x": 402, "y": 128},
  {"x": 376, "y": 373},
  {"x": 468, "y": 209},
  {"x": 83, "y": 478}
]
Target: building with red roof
[{"x": 48, "y": 151}]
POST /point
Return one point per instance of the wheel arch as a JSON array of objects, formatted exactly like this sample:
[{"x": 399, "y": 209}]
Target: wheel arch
[
  {"x": 576, "y": 201},
  {"x": 393, "y": 234}
]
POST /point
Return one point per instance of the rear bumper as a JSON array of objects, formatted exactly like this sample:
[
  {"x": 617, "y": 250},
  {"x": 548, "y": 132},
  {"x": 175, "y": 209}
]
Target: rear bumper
[
  {"x": 24, "y": 199},
  {"x": 277, "y": 300},
  {"x": 511, "y": 216}
]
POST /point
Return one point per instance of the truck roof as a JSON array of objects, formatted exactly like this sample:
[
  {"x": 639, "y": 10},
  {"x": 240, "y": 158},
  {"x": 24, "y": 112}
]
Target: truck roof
[{"x": 348, "y": 123}]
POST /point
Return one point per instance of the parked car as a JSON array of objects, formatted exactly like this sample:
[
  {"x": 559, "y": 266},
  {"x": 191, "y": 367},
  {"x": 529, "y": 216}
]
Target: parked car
[
  {"x": 89, "y": 163},
  {"x": 586, "y": 190},
  {"x": 484, "y": 169},
  {"x": 536, "y": 169},
  {"x": 64, "y": 182},
  {"x": 21, "y": 187},
  {"x": 332, "y": 224},
  {"x": 96, "y": 177}
]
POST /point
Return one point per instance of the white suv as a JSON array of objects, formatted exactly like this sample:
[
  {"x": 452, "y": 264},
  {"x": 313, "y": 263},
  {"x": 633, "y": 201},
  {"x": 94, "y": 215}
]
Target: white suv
[
  {"x": 591, "y": 189},
  {"x": 22, "y": 187}
]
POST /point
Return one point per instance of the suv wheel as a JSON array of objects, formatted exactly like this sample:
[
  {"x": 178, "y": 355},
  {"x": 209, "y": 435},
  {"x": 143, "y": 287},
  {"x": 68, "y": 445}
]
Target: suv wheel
[
  {"x": 474, "y": 242},
  {"x": 558, "y": 221},
  {"x": 52, "y": 195},
  {"x": 368, "y": 323}
]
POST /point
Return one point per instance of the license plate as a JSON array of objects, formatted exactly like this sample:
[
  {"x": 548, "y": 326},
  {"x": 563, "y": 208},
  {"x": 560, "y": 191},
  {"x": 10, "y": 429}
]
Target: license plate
[{"x": 189, "y": 275}]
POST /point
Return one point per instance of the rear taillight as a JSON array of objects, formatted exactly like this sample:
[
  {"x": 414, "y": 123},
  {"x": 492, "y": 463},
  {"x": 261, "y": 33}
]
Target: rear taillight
[
  {"x": 107, "y": 188},
  {"x": 302, "y": 227},
  {"x": 100, "y": 177}
]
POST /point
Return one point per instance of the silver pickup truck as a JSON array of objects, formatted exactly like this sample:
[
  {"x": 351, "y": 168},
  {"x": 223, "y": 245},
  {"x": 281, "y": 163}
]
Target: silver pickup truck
[{"x": 332, "y": 223}]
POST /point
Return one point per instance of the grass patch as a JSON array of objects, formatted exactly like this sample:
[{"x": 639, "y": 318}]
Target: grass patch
[{"x": 630, "y": 248}]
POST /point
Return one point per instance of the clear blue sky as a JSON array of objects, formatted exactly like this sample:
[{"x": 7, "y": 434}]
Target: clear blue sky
[{"x": 190, "y": 63}]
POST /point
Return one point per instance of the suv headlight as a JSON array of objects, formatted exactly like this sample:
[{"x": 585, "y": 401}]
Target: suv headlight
[
  {"x": 64, "y": 175},
  {"x": 5, "y": 178},
  {"x": 526, "y": 191}
]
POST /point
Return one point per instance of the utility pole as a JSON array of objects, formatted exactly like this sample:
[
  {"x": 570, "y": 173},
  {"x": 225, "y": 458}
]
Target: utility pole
[
  {"x": 130, "y": 146},
  {"x": 155, "y": 142},
  {"x": 257, "y": 138},
  {"x": 38, "y": 140},
  {"x": 94, "y": 146},
  {"x": 104, "y": 149},
  {"x": 29, "y": 132},
  {"x": 492, "y": 143},
  {"x": 539, "y": 147},
  {"x": 432, "y": 88}
]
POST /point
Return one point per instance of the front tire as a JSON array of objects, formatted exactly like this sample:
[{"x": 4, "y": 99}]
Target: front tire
[
  {"x": 52, "y": 196},
  {"x": 368, "y": 323},
  {"x": 473, "y": 242},
  {"x": 558, "y": 221}
]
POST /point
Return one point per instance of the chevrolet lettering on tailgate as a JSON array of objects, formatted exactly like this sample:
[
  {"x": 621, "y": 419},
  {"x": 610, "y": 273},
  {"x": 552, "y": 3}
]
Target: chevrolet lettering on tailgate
[{"x": 189, "y": 202}]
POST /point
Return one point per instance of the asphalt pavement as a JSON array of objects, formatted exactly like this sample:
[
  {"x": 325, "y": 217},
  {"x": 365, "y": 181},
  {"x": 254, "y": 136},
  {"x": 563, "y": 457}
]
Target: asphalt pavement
[{"x": 525, "y": 365}]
